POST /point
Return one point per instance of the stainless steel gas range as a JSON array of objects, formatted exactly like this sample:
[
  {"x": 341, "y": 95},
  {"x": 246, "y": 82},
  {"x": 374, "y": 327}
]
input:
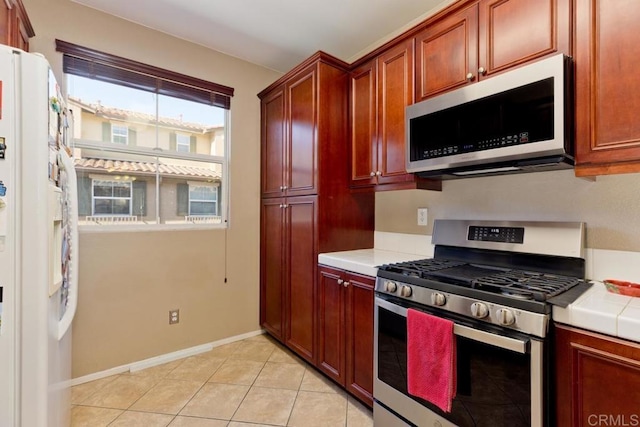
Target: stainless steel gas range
[{"x": 496, "y": 281}]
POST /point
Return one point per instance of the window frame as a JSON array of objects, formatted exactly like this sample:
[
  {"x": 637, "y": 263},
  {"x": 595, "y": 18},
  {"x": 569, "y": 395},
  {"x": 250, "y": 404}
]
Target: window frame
[
  {"x": 89, "y": 63},
  {"x": 114, "y": 134},
  {"x": 112, "y": 181},
  {"x": 186, "y": 143},
  {"x": 214, "y": 202}
]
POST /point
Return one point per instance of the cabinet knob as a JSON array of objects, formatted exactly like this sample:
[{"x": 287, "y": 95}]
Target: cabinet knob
[
  {"x": 340, "y": 281},
  {"x": 482, "y": 71},
  {"x": 281, "y": 206},
  {"x": 378, "y": 173},
  {"x": 285, "y": 206},
  {"x": 346, "y": 283},
  {"x": 284, "y": 187},
  {"x": 372, "y": 174},
  {"x": 470, "y": 76}
]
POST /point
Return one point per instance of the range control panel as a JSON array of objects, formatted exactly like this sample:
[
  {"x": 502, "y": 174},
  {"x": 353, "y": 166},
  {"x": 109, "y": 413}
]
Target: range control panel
[{"x": 496, "y": 234}]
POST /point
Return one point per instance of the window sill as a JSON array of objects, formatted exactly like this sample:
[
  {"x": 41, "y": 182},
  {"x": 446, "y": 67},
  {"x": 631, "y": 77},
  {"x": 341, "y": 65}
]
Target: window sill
[{"x": 128, "y": 228}]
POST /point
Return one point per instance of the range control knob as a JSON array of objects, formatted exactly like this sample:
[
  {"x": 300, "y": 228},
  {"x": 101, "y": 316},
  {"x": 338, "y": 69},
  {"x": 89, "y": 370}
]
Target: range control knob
[
  {"x": 406, "y": 291},
  {"x": 438, "y": 299},
  {"x": 390, "y": 287},
  {"x": 479, "y": 310},
  {"x": 505, "y": 317}
]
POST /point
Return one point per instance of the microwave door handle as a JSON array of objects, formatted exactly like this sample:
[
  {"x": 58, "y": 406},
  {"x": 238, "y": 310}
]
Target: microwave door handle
[{"x": 506, "y": 343}]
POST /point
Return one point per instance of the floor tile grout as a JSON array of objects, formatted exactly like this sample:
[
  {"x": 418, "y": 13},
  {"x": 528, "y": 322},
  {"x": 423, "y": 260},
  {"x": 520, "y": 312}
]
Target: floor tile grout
[{"x": 287, "y": 358}]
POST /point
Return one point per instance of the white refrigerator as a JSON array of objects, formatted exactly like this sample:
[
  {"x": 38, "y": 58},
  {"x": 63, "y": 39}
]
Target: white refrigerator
[{"x": 38, "y": 244}]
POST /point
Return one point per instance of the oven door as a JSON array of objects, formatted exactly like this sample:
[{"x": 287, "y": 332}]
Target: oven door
[{"x": 499, "y": 373}]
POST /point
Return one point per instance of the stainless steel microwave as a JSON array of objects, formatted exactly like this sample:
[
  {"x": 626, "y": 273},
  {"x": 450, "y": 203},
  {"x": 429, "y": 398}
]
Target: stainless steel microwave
[{"x": 518, "y": 121}]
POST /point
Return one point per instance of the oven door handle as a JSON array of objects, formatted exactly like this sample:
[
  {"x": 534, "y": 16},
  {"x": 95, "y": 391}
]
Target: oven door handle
[{"x": 507, "y": 343}]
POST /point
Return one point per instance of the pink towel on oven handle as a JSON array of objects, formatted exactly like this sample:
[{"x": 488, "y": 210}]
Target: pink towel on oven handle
[{"x": 431, "y": 358}]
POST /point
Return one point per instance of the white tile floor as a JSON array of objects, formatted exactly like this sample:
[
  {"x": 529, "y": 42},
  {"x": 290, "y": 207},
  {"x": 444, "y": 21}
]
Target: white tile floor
[{"x": 247, "y": 383}]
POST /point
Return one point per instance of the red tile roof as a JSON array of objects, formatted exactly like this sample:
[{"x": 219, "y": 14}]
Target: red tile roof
[{"x": 144, "y": 168}]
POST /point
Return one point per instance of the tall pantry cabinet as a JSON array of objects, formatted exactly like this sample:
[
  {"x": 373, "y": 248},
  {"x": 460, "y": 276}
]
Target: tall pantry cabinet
[{"x": 307, "y": 207}]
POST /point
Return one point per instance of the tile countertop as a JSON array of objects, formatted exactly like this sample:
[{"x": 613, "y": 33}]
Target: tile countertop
[
  {"x": 602, "y": 311},
  {"x": 365, "y": 261},
  {"x": 595, "y": 310}
]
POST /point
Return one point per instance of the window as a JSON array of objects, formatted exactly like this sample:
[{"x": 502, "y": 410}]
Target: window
[
  {"x": 183, "y": 143},
  {"x": 119, "y": 134},
  {"x": 150, "y": 145},
  {"x": 111, "y": 197},
  {"x": 203, "y": 200}
]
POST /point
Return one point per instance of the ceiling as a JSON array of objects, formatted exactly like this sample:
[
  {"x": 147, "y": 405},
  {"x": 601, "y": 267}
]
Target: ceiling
[{"x": 277, "y": 34}]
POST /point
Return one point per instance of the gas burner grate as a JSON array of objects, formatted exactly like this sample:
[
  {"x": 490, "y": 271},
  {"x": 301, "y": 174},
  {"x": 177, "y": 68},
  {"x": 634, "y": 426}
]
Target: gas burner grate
[
  {"x": 526, "y": 284},
  {"x": 420, "y": 268}
]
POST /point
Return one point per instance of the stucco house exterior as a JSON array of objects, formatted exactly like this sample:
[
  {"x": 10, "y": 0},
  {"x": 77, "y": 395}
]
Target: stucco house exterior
[{"x": 129, "y": 182}]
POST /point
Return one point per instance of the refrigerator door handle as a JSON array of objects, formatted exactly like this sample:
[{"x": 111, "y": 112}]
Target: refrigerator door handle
[{"x": 72, "y": 200}]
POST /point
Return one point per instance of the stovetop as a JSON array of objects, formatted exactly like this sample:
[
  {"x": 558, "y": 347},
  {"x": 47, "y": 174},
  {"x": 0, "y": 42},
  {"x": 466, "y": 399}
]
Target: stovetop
[{"x": 511, "y": 283}]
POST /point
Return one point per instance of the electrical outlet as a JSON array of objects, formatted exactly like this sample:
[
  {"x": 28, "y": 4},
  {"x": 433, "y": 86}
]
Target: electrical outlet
[
  {"x": 174, "y": 316},
  {"x": 422, "y": 216}
]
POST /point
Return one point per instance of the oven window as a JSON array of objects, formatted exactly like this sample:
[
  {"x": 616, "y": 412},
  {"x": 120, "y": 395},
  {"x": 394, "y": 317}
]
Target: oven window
[{"x": 492, "y": 383}]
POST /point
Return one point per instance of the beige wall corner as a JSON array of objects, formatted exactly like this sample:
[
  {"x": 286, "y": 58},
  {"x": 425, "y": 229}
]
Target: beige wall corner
[{"x": 129, "y": 281}]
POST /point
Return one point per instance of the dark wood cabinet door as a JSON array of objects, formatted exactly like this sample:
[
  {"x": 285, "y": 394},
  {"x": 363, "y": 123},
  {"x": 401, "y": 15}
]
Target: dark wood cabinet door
[
  {"x": 607, "y": 57},
  {"x": 272, "y": 266},
  {"x": 331, "y": 332},
  {"x": 302, "y": 130},
  {"x": 359, "y": 337},
  {"x": 395, "y": 92},
  {"x": 446, "y": 52},
  {"x": 597, "y": 376},
  {"x": 302, "y": 259},
  {"x": 21, "y": 31},
  {"x": 512, "y": 32},
  {"x": 364, "y": 124},
  {"x": 273, "y": 144}
]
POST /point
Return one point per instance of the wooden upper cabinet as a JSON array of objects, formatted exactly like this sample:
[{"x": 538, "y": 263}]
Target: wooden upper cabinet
[
  {"x": 381, "y": 89},
  {"x": 289, "y": 137},
  {"x": 364, "y": 125},
  {"x": 512, "y": 32},
  {"x": 395, "y": 92},
  {"x": 488, "y": 37},
  {"x": 607, "y": 57},
  {"x": 302, "y": 128},
  {"x": 15, "y": 27},
  {"x": 447, "y": 53},
  {"x": 273, "y": 144}
]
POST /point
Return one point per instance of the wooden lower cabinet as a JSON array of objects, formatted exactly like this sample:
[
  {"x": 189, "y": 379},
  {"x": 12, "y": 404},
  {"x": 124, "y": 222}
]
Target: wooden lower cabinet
[
  {"x": 345, "y": 330},
  {"x": 597, "y": 379},
  {"x": 288, "y": 263}
]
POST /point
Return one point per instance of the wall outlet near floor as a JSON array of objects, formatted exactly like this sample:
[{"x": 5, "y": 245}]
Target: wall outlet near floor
[
  {"x": 422, "y": 216},
  {"x": 174, "y": 316}
]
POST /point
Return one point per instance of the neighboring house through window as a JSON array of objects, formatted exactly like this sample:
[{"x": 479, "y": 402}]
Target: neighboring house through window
[{"x": 149, "y": 164}]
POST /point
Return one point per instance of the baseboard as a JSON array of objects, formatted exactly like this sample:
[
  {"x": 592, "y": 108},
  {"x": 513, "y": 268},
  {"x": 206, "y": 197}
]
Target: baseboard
[{"x": 164, "y": 358}]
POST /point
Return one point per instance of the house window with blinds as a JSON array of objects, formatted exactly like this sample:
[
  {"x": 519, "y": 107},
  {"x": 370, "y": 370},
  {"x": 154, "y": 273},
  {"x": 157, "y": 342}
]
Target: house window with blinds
[{"x": 150, "y": 145}]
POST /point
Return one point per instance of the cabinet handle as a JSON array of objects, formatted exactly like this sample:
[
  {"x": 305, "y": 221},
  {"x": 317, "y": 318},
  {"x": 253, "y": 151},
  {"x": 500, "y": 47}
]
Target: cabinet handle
[
  {"x": 482, "y": 71},
  {"x": 378, "y": 173},
  {"x": 372, "y": 174},
  {"x": 340, "y": 281},
  {"x": 346, "y": 283},
  {"x": 470, "y": 76}
]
